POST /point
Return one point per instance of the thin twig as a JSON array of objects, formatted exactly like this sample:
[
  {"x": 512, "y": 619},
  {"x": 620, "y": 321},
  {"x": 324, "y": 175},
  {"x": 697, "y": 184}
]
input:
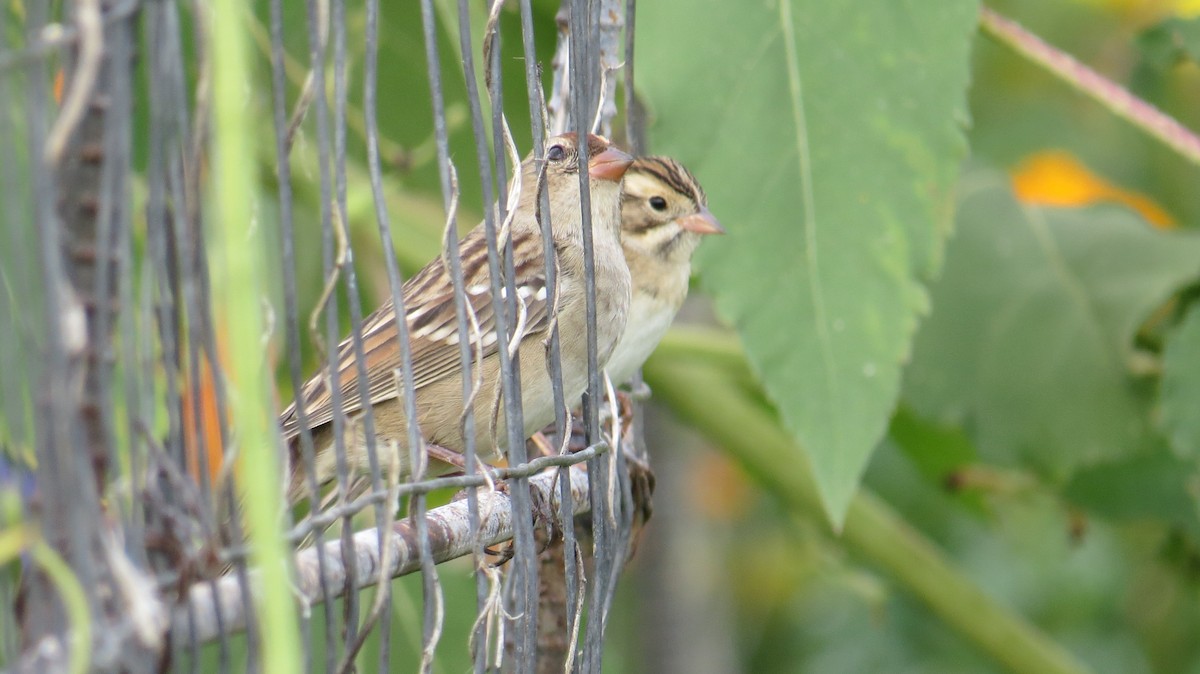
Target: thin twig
[
  {"x": 308, "y": 92},
  {"x": 1119, "y": 100}
]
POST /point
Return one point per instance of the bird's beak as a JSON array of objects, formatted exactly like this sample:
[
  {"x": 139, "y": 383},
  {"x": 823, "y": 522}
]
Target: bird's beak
[
  {"x": 701, "y": 223},
  {"x": 609, "y": 165}
]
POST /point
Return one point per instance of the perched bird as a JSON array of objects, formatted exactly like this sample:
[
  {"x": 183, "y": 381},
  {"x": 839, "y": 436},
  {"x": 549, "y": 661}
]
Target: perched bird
[
  {"x": 664, "y": 212},
  {"x": 434, "y": 335}
]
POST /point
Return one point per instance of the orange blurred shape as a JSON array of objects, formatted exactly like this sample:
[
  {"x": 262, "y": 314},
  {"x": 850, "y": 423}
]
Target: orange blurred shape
[
  {"x": 58, "y": 85},
  {"x": 1056, "y": 178},
  {"x": 205, "y": 436},
  {"x": 201, "y": 423},
  {"x": 720, "y": 488}
]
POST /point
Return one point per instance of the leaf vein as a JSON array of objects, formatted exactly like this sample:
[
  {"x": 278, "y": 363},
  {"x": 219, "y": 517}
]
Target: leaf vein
[
  {"x": 1073, "y": 286},
  {"x": 809, "y": 224}
]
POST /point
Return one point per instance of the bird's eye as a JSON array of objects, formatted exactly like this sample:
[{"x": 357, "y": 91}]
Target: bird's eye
[
  {"x": 658, "y": 203},
  {"x": 556, "y": 153}
]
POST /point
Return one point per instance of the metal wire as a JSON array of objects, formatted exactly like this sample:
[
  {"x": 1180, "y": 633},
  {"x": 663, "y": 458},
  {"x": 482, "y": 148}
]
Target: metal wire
[{"x": 152, "y": 484}]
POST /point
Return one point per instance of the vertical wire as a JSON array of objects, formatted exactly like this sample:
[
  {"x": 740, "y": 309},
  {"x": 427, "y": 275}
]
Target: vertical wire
[
  {"x": 156, "y": 215},
  {"x": 602, "y": 487},
  {"x": 170, "y": 254},
  {"x": 624, "y": 532},
  {"x": 317, "y": 50},
  {"x": 203, "y": 355},
  {"x": 369, "y": 91},
  {"x": 179, "y": 268},
  {"x": 193, "y": 643},
  {"x": 287, "y": 236},
  {"x": 115, "y": 187},
  {"x": 431, "y": 618},
  {"x": 128, "y": 319},
  {"x": 619, "y": 514},
  {"x": 195, "y": 309},
  {"x": 633, "y": 116},
  {"x": 345, "y": 272},
  {"x": 56, "y": 473},
  {"x": 525, "y": 562},
  {"x": 161, "y": 267},
  {"x": 132, "y": 392},
  {"x": 383, "y": 512},
  {"x": 554, "y": 355},
  {"x": 451, "y": 252},
  {"x": 110, "y": 218},
  {"x": 113, "y": 264},
  {"x": 162, "y": 228},
  {"x": 583, "y": 63},
  {"x": 483, "y": 162}
]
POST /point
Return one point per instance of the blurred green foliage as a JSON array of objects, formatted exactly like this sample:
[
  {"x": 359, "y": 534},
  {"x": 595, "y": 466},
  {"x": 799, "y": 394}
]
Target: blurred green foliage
[{"x": 1044, "y": 439}]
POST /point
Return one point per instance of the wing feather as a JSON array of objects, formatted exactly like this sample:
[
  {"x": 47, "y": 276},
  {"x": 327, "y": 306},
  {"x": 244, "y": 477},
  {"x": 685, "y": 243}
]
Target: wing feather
[{"x": 433, "y": 330}]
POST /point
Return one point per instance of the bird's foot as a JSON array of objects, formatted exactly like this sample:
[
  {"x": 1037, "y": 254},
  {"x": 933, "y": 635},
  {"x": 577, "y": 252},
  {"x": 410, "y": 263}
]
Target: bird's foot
[{"x": 446, "y": 455}]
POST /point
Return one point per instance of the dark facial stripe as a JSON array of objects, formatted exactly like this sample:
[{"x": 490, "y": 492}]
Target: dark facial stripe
[
  {"x": 673, "y": 174},
  {"x": 667, "y": 247}
]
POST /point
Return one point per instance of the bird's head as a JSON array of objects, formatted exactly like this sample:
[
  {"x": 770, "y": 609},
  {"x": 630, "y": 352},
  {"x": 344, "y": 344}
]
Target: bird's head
[{"x": 664, "y": 211}]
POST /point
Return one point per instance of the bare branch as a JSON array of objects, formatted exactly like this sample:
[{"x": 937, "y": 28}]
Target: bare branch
[{"x": 450, "y": 537}]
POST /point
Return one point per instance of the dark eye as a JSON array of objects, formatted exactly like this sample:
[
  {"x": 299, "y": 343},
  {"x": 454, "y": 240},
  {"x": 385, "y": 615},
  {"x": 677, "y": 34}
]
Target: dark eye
[
  {"x": 658, "y": 203},
  {"x": 556, "y": 153}
]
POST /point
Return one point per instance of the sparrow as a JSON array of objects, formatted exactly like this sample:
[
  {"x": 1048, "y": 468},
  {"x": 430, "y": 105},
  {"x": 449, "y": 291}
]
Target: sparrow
[
  {"x": 434, "y": 332},
  {"x": 664, "y": 214}
]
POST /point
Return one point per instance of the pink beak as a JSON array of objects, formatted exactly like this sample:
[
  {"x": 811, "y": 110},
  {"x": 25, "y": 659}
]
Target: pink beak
[
  {"x": 701, "y": 223},
  {"x": 609, "y": 165}
]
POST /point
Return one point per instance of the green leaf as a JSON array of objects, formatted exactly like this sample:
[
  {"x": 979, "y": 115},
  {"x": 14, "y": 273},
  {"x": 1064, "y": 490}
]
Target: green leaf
[
  {"x": 1167, "y": 43},
  {"x": 937, "y": 452},
  {"x": 828, "y": 137},
  {"x": 1181, "y": 387},
  {"x": 1155, "y": 485},
  {"x": 1031, "y": 338}
]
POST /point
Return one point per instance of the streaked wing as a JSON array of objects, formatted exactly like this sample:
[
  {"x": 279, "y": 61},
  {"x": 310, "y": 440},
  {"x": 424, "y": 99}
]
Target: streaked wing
[{"x": 433, "y": 330}]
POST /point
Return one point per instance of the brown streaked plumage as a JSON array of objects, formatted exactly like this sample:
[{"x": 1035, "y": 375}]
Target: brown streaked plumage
[{"x": 429, "y": 305}]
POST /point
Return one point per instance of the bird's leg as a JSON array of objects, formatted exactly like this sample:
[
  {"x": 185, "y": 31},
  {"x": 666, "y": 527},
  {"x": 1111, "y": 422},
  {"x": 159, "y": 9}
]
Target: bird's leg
[
  {"x": 543, "y": 520},
  {"x": 641, "y": 483},
  {"x": 641, "y": 475},
  {"x": 501, "y": 554},
  {"x": 625, "y": 409},
  {"x": 453, "y": 458},
  {"x": 447, "y": 456},
  {"x": 542, "y": 444}
]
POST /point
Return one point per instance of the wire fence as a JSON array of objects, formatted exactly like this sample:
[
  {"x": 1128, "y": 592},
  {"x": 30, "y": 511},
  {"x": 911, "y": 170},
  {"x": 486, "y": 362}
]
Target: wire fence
[{"x": 122, "y": 541}]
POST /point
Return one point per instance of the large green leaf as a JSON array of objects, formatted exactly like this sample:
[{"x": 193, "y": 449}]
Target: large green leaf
[
  {"x": 1181, "y": 387},
  {"x": 828, "y": 136},
  {"x": 1031, "y": 339}
]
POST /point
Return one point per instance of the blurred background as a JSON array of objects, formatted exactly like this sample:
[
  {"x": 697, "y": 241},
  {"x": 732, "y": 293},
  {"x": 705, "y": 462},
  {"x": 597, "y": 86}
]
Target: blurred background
[{"x": 1100, "y": 553}]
